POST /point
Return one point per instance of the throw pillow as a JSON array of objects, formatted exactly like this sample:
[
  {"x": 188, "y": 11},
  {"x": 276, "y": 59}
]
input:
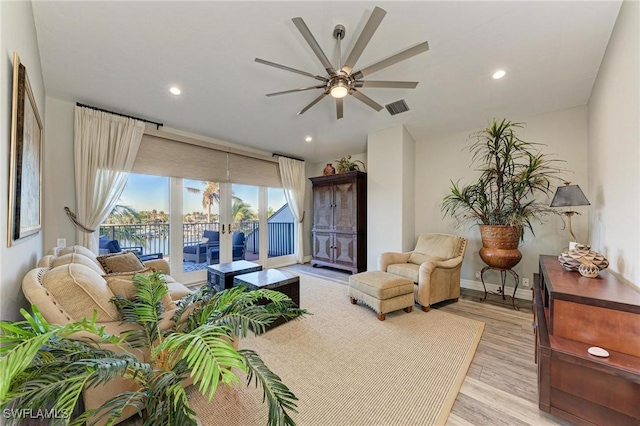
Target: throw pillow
[
  {"x": 65, "y": 259},
  {"x": 121, "y": 284},
  {"x": 79, "y": 291},
  {"x": 120, "y": 262},
  {"x": 204, "y": 240}
]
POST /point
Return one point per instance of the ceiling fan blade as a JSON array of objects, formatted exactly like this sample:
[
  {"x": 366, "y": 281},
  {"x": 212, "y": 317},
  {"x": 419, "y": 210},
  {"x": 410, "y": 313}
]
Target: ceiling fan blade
[
  {"x": 387, "y": 84},
  {"x": 306, "y": 33},
  {"x": 313, "y": 102},
  {"x": 296, "y": 90},
  {"x": 405, "y": 54},
  {"x": 364, "y": 38},
  {"x": 286, "y": 68},
  {"x": 367, "y": 100},
  {"x": 340, "y": 107}
]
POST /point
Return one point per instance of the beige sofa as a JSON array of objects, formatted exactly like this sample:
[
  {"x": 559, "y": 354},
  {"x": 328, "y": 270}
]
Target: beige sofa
[
  {"x": 69, "y": 284},
  {"x": 434, "y": 267}
]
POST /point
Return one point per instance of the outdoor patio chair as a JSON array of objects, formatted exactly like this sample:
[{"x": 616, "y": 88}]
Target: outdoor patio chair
[
  {"x": 239, "y": 242},
  {"x": 107, "y": 246},
  {"x": 198, "y": 252}
]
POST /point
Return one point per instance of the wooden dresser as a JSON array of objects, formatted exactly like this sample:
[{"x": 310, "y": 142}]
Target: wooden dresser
[
  {"x": 340, "y": 221},
  {"x": 571, "y": 314}
]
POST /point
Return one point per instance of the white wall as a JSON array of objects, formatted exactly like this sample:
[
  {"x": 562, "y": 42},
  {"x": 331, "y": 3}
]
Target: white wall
[
  {"x": 17, "y": 33},
  {"x": 444, "y": 159},
  {"x": 614, "y": 148},
  {"x": 390, "y": 187},
  {"x": 59, "y": 171},
  {"x": 408, "y": 191}
]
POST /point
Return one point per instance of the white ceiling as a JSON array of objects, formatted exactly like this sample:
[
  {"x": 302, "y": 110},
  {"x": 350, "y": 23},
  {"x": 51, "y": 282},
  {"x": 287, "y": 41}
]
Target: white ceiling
[{"x": 124, "y": 56}]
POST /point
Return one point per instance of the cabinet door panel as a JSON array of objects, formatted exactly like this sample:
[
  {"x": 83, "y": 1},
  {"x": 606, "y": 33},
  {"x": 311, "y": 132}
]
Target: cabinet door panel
[
  {"x": 344, "y": 249},
  {"x": 323, "y": 246},
  {"x": 323, "y": 207},
  {"x": 345, "y": 212}
]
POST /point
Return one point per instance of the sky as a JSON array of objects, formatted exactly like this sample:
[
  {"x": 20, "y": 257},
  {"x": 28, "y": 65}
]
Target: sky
[{"x": 147, "y": 192}]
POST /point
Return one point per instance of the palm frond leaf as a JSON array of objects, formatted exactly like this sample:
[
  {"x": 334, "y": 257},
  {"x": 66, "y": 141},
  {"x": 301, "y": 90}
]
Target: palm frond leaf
[{"x": 278, "y": 396}]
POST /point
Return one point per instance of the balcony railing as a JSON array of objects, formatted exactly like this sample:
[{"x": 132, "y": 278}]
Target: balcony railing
[{"x": 154, "y": 237}]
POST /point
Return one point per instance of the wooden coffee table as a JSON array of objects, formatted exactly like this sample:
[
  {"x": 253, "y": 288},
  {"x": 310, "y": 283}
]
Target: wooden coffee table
[
  {"x": 221, "y": 276},
  {"x": 272, "y": 279}
]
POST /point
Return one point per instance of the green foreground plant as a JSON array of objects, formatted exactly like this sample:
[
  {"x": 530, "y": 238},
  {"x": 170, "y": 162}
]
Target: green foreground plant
[
  {"x": 43, "y": 367},
  {"x": 512, "y": 173}
]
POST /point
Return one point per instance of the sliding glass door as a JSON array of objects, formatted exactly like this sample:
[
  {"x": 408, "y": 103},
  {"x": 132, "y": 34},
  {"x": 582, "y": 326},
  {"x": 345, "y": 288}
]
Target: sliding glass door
[{"x": 210, "y": 223}]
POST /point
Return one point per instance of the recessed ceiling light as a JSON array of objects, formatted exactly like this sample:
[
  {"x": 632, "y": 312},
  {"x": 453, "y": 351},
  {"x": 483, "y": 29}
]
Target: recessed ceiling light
[
  {"x": 175, "y": 90},
  {"x": 308, "y": 139},
  {"x": 499, "y": 74}
]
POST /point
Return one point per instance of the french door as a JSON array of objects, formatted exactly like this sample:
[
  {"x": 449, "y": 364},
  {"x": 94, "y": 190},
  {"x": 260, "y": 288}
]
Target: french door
[{"x": 249, "y": 222}]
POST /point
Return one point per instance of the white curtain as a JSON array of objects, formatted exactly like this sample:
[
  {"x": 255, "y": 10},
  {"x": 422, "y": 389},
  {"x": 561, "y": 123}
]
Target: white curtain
[
  {"x": 105, "y": 149},
  {"x": 293, "y": 184}
]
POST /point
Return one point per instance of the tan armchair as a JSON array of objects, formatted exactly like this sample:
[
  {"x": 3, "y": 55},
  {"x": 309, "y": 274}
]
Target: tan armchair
[{"x": 434, "y": 266}]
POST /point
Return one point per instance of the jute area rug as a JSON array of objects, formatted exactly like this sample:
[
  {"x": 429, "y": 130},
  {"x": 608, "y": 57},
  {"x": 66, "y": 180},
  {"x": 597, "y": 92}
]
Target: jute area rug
[{"x": 347, "y": 368}]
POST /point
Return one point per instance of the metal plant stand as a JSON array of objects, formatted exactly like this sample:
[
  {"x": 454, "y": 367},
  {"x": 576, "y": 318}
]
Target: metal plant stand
[{"x": 503, "y": 278}]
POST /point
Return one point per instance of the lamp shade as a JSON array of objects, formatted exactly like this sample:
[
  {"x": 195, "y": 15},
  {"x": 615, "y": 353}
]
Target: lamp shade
[{"x": 569, "y": 195}]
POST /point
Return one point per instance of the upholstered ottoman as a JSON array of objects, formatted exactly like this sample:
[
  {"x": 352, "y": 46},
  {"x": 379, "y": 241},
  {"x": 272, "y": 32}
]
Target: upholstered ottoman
[{"x": 382, "y": 291}]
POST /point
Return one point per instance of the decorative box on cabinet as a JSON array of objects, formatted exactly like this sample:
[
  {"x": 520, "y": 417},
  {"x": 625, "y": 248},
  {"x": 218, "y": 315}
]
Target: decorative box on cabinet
[
  {"x": 571, "y": 314},
  {"x": 340, "y": 221}
]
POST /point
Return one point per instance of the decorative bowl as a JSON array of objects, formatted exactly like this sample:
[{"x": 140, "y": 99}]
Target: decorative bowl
[{"x": 582, "y": 255}]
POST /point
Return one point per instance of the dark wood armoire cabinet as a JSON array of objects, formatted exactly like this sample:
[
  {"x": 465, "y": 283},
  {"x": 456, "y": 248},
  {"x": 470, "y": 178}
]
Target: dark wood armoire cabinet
[
  {"x": 340, "y": 221},
  {"x": 573, "y": 313}
]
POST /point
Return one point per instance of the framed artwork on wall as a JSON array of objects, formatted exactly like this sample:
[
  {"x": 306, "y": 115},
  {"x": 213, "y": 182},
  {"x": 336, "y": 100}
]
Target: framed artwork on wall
[{"x": 25, "y": 169}]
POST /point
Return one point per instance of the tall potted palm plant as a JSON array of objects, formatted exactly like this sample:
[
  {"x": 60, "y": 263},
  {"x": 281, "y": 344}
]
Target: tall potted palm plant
[
  {"x": 42, "y": 368},
  {"x": 503, "y": 200}
]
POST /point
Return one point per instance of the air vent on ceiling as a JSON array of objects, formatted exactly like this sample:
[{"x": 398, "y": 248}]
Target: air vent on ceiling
[{"x": 397, "y": 107}]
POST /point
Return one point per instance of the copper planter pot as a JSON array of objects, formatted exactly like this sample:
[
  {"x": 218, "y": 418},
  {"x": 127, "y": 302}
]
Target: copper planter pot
[{"x": 500, "y": 245}]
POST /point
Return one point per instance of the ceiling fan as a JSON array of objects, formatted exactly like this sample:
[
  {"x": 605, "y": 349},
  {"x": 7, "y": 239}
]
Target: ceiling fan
[{"x": 342, "y": 80}]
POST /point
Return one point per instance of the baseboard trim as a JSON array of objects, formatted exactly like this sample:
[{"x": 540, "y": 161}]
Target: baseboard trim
[{"x": 521, "y": 293}]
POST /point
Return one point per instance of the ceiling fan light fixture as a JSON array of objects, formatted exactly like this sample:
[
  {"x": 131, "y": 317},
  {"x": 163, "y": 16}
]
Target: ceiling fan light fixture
[{"x": 339, "y": 90}]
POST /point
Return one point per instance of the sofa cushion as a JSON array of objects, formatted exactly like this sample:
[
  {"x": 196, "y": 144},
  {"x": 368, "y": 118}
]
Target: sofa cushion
[
  {"x": 192, "y": 249},
  {"x": 80, "y": 290},
  {"x": 441, "y": 246},
  {"x": 120, "y": 262},
  {"x": 121, "y": 284},
  {"x": 176, "y": 290},
  {"x": 81, "y": 259},
  {"x": 78, "y": 249},
  {"x": 212, "y": 236},
  {"x": 405, "y": 270},
  {"x": 113, "y": 246}
]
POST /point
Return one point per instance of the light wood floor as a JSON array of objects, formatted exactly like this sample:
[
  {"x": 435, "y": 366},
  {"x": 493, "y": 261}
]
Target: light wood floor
[{"x": 501, "y": 384}]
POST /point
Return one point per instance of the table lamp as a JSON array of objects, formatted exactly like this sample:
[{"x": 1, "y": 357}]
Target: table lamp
[{"x": 569, "y": 196}]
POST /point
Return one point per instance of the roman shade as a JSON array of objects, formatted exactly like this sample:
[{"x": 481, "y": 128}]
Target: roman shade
[{"x": 167, "y": 154}]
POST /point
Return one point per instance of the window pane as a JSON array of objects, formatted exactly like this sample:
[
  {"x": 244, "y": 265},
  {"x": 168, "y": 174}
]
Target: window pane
[
  {"x": 140, "y": 219},
  {"x": 244, "y": 207},
  {"x": 280, "y": 224},
  {"x": 201, "y": 224}
]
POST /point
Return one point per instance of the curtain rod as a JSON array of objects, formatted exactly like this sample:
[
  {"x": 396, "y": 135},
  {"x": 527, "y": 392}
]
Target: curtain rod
[
  {"x": 119, "y": 114},
  {"x": 275, "y": 154}
]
